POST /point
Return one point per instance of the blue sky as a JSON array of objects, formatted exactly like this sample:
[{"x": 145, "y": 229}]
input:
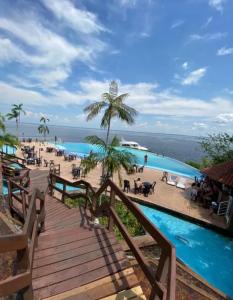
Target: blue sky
[{"x": 174, "y": 58}]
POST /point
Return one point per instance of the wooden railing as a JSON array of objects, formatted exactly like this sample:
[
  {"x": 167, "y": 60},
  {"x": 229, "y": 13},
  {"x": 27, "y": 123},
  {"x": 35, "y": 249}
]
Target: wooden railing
[
  {"x": 23, "y": 244},
  {"x": 18, "y": 196},
  {"x": 163, "y": 280},
  {"x": 12, "y": 158}
]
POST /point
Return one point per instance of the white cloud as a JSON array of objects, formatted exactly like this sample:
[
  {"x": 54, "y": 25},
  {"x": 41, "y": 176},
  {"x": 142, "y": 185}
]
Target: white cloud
[
  {"x": 145, "y": 97},
  {"x": 48, "y": 54},
  {"x": 185, "y": 65},
  {"x": 79, "y": 20},
  {"x": 51, "y": 79},
  {"x": 10, "y": 94},
  {"x": 194, "y": 77},
  {"x": 217, "y": 4},
  {"x": 206, "y": 24},
  {"x": 177, "y": 23},
  {"x": 199, "y": 125},
  {"x": 224, "y": 51},
  {"x": 208, "y": 36},
  {"x": 225, "y": 118}
]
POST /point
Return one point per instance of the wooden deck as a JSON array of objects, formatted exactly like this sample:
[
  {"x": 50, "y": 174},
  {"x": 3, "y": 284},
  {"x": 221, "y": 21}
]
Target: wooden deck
[{"x": 74, "y": 260}]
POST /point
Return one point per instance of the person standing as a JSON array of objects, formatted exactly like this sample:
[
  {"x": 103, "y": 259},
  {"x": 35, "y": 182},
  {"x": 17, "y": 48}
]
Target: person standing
[{"x": 145, "y": 159}]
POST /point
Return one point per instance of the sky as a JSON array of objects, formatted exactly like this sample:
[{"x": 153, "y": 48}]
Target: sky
[{"x": 174, "y": 58}]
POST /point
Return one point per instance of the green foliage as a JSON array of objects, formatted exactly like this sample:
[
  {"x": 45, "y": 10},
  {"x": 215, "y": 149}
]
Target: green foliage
[
  {"x": 114, "y": 107},
  {"x": 43, "y": 128},
  {"x": 75, "y": 202},
  {"x": 194, "y": 164},
  {"x": 111, "y": 158},
  {"x": 218, "y": 147},
  {"x": 133, "y": 226},
  {"x": 15, "y": 113},
  {"x": 128, "y": 219}
]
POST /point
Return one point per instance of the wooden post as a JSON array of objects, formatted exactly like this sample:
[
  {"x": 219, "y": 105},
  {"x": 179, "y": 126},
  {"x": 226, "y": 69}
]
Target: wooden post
[
  {"x": 22, "y": 265},
  {"x": 111, "y": 204},
  {"x": 63, "y": 193}
]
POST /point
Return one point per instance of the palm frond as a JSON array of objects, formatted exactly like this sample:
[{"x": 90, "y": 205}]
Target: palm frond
[
  {"x": 95, "y": 140},
  {"x": 94, "y": 109},
  {"x": 8, "y": 139},
  {"x": 121, "y": 97}
]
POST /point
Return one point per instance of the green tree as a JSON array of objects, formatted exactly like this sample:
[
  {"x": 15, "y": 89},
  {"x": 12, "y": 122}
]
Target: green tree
[
  {"x": 16, "y": 111},
  {"x": 43, "y": 128},
  {"x": 112, "y": 158},
  {"x": 218, "y": 147},
  {"x": 114, "y": 107},
  {"x": 5, "y": 139}
]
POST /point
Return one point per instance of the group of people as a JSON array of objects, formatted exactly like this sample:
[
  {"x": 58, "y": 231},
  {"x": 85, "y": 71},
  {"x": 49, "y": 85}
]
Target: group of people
[
  {"x": 206, "y": 192},
  {"x": 140, "y": 187}
]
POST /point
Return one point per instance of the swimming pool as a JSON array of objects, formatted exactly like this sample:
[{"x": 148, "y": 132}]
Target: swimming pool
[
  {"x": 206, "y": 252},
  {"x": 8, "y": 149},
  {"x": 154, "y": 161}
]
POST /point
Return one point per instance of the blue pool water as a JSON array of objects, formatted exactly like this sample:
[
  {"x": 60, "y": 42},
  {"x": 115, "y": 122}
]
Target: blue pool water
[
  {"x": 154, "y": 161},
  {"x": 8, "y": 149},
  {"x": 208, "y": 253},
  {"x": 68, "y": 188}
]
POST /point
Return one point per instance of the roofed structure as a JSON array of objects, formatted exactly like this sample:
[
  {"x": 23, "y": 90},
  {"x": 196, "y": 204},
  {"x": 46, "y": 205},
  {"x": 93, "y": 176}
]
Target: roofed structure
[{"x": 222, "y": 173}]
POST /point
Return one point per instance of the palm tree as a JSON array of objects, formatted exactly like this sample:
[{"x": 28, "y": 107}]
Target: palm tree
[
  {"x": 43, "y": 128},
  {"x": 2, "y": 120},
  {"x": 112, "y": 158},
  {"x": 5, "y": 139},
  {"x": 15, "y": 114},
  {"x": 113, "y": 106}
]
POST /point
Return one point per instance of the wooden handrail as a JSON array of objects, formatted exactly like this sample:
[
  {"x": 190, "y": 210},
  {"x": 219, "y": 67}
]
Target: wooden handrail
[
  {"x": 163, "y": 282},
  {"x": 24, "y": 244},
  {"x": 2, "y": 154}
]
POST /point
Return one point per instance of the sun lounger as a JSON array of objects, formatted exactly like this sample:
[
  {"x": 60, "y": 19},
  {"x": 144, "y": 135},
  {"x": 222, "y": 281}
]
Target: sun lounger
[
  {"x": 172, "y": 179},
  {"x": 181, "y": 183}
]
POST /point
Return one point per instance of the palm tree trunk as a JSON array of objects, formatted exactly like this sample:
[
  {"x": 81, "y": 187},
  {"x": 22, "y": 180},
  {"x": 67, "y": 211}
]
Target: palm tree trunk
[
  {"x": 108, "y": 131},
  {"x": 17, "y": 128},
  {"x": 107, "y": 139}
]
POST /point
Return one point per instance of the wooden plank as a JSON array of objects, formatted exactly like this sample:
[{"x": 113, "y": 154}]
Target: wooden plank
[
  {"x": 72, "y": 246},
  {"x": 50, "y": 241},
  {"x": 107, "y": 288},
  {"x": 84, "y": 268},
  {"x": 70, "y": 220},
  {"x": 133, "y": 293},
  {"x": 68, "y": 235},
  {"x": 13, "y": 242},
  {"x": 71, "y": 213},
  {"x": 14, "y": 283},
  {"x": 82, "y": 279},
  {"x": 75, "y": 260},
  {"x": 97, "y": 283},
  {"x": 51, "y": 259}
]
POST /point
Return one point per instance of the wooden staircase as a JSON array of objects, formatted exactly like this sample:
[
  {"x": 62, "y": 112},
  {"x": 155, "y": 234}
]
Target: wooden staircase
[{"x": 75, "y": 260}]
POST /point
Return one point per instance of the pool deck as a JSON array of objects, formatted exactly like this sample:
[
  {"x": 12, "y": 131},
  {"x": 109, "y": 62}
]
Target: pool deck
[{"x": 165, "y": 196}]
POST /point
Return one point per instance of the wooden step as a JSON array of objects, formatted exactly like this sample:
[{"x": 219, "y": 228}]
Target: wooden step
[{"x": 100, "y": 288}]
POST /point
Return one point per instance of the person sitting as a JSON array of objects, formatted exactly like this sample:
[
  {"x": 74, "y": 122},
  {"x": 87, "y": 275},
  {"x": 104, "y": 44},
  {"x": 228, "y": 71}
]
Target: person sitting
[
  {"x": 137, "y": 186},
  {"x": 46, "y": 163},
  {"x": 164, "y": 177},
  {"x": 126, "y": 186},
  {"x": 146, "y": 188},
  {"x": 140, "y": 170}
]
